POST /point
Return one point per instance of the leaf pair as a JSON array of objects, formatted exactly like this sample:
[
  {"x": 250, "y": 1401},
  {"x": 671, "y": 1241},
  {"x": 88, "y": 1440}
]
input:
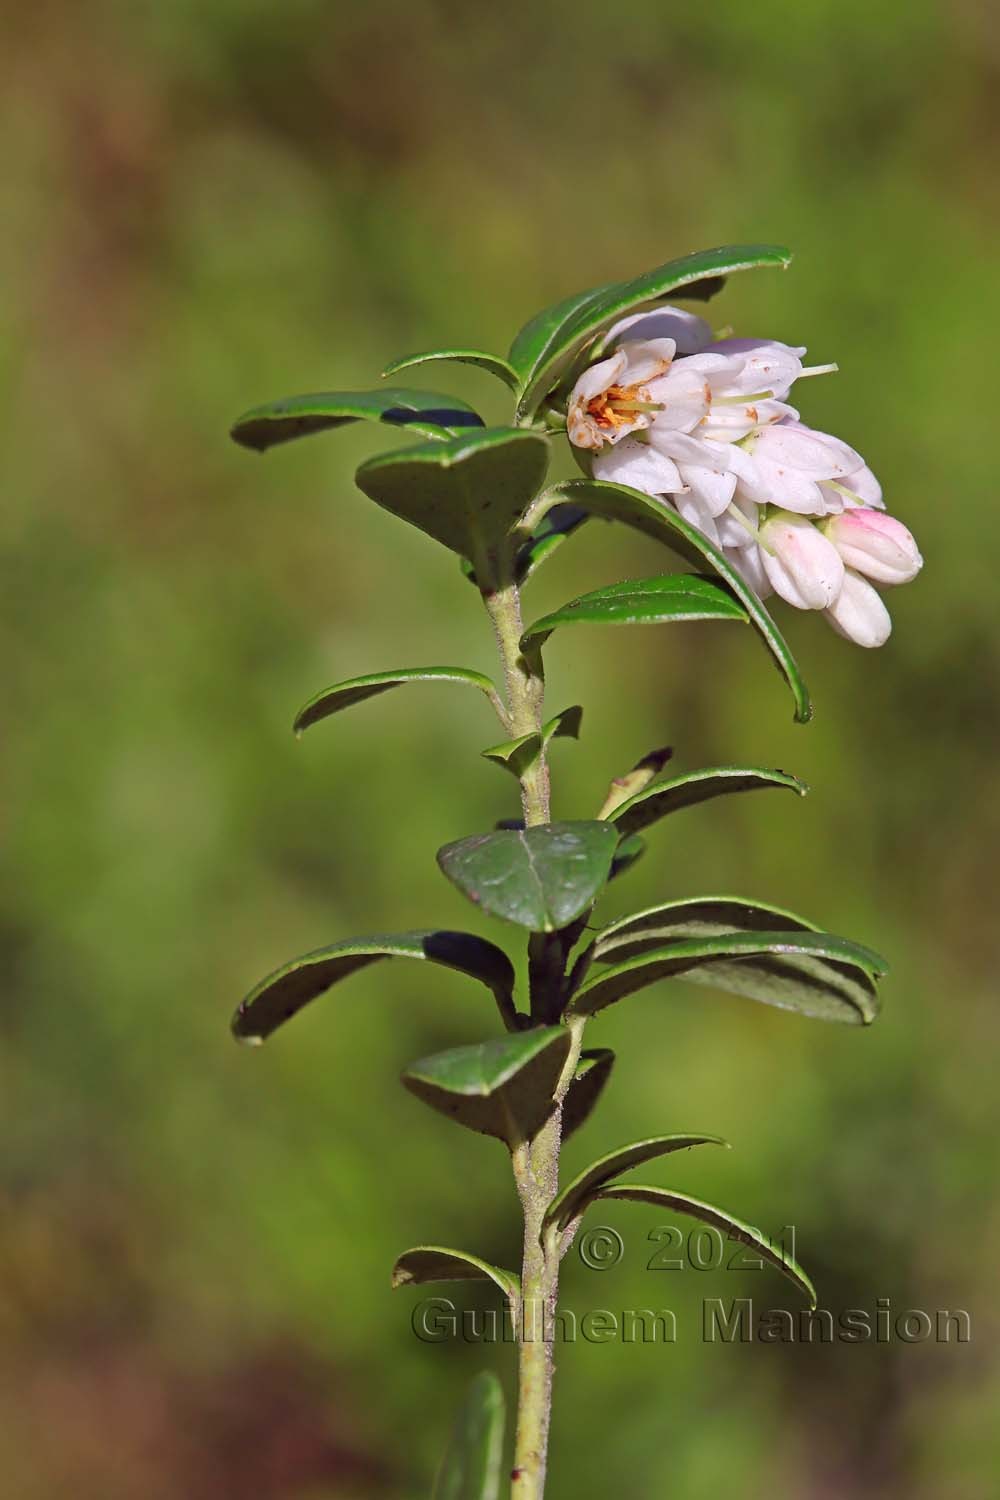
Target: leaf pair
[
  {"x": 553, "y": 340},
  {"x": 758, "y": 951},
  {"x": 432, "y": 1263},
  {"x": 597, "y": 1182}
]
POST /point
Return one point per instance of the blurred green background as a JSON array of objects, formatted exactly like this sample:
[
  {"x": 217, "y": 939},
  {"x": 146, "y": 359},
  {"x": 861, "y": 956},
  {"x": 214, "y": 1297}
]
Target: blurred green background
[{"x": 207, "y": 206}]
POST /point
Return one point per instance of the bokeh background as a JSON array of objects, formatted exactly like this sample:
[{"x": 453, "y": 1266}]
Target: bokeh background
[{"x": 207, "y": 206}]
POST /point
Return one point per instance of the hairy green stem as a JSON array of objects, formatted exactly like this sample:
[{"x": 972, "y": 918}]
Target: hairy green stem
[
  {"x": 525, "y": 686},
  {"x": 536, "y": 1162}
]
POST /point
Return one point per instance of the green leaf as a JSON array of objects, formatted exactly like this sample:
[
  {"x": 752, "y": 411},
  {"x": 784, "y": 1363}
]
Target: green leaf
[
  {"x": 699, "y": 916},
  {"x": 518, "y": 755},
  {"x": 719, "y": 1218},
  {"x": 283, "y": 994},
  {"x": 474, "y": 1457},
  {"x": 559, "y": 523},
  {"x": 467, "y": 493},
  {"x": 699, "y": 786},
  {"x": 617, "y": 502},
  {"x": 491, "y": 362},
  {"x": 642, "y": 601},
  {"x": 426, "y": 412},
  {"x": 840, "y": 987},
  {"x": 592, "y": 1073},
  {"x": 541, "y": 878},
  {"x": 541, "y": 338},
  {"x": 628, "y": 851},
  {"x": 437, "y": 1263},
  {"x": 546, "y": 346},
  {"x": 502, "y": 1088},
  {"x": 790, "y": 981},
  {"x": 356, "y": 689},
  {"x": 575, "y": 1196}
]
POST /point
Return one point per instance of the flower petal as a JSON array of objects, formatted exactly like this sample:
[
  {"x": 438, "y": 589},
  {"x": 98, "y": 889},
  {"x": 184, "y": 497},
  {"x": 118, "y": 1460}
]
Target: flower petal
[
  {"x": 803, "y": 567},
  {"x": 639, "y": 465},
  {"x": 859, "y": 614},
  {"x": 689, "y": 332},
  {"x": 684, "y": 395},
  {"x": 748, "y": 563},
  {"x": 646, "y": 360},
  {"x": 767, "y": 364}
]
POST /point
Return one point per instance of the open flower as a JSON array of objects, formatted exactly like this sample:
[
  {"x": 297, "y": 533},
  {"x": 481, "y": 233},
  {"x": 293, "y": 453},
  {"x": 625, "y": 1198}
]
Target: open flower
[
  {"x": 726, "y": 392},
  {"x": 618, "y": 395}
]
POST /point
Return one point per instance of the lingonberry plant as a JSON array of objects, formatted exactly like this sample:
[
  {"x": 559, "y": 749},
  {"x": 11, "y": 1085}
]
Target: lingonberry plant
[{"x": 691, "y": 441}]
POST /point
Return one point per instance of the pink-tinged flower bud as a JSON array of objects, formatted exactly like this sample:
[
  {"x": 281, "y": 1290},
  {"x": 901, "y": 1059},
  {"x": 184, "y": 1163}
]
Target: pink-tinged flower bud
[
  {"x": 875, "y": 544},
  {"x": 801, "y": 565},
  {"x": 858, "y": 613}
]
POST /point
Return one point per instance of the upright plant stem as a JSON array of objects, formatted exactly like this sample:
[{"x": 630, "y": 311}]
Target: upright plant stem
[
  {"x": 535, "y": 1163},
  {"x": 525, "y": 693}
]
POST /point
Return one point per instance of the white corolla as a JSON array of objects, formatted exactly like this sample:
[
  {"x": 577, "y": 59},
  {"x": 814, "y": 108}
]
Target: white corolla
[{"x": 706, "y": 427}]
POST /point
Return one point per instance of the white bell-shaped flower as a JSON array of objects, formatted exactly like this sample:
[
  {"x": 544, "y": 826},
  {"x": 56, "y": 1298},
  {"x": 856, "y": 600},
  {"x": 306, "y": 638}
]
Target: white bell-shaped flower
[
  {"x": 615, "y": 397},
  {"x": 790, "y": 462},
  {"x": 800, "y": 564}
]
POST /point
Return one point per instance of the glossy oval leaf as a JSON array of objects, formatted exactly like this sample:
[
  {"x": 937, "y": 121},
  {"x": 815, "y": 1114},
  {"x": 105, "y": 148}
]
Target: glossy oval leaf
[
  {"x": 426, "y": 412},
  {"x": 502, "y": 1088},
  {"x": 656, "y": 802},
  {"x": 518, "y": 755},
  {"x": 426, "y": 1263},
  {"x": 541, "y": 878},
  {"x": 698, "y": 916},
  {"x": 545, "y": 348},
  {"x": 467, "y": 493},
  {"x": 540, "y": 340},
  {"x": 643, "y": 601},
  {"x": 575, "y": 1196},
  {"x": 356, "y": 689},
  {"x": 618, "y": 502},
  {"x": 588, "y": 1084},
  {"x": 471, "y": 1468},
  {"x": 719, "y": 1218},
  {"x": 489, "y": 362},
  {"x": 283, "y": 994},
  {"x": 823, "y": 976}
]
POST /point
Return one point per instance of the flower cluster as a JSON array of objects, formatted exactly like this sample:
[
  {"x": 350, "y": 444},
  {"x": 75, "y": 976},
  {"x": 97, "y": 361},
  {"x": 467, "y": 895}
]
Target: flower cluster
[{"x": 706, "y": 426}]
